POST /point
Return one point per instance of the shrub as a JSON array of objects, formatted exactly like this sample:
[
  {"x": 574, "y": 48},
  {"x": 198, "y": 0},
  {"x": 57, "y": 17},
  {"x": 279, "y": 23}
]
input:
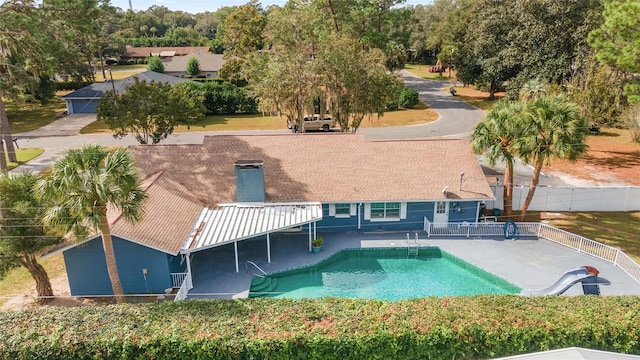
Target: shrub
[
  {"x": 392, "y": 105},
  {"x": 467, "y": 327},
  {"x": 408, "y": 98},
  {"x": 226, "y": 98},
  {"x": 155, "y": 64}
]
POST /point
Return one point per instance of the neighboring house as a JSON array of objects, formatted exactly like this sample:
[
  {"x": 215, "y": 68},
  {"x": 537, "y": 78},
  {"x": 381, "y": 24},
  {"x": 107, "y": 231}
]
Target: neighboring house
[
  {"x": 209, "y": 64},
  {"x": 86, "y": 99},
  {"x": 134, "y": 53},
  {"x": 232, "y": 188}
]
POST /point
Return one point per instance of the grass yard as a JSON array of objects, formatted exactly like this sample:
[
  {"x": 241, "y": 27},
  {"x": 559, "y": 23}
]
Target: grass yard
[
  {"x": 612, "y": 158},
  {"x": 419, "y": 115},
  {"x": 19, "y": 281},
  {"x": 423, "y": 72},
  {"x": 23, "y": 156},
  {"x": 120, "y": 72},
  {"x": 617, "y": 229},
  {"x": 479, "y": 99},
  {"x": 25, "y": 116}
]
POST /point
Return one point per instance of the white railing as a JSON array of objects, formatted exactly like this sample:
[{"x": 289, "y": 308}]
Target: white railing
[
  {"x": 577, "y": 242},
  {"x": 177, "y": 279},
  {"x": 427, "y": 226},
  {"x": 477, "y": 229},
  {"x": 593, "y": 248},
  {"x": 184, "y": 288}
]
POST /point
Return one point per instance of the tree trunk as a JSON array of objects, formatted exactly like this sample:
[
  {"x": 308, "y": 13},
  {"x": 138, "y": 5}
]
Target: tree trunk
[
  {"x": 104, "y": 73},
  {"x": 508, "y": 189},
  {"x": 39, "y": 274},
  {"x": 492, "y": 90},
  {"x": 3, "y": 159},
  {"x": 6, "y": 133},
  {"x": 535, "y": 178},
  {"x": 110, "y": 257},
  {"x": 333, "y": 16}
]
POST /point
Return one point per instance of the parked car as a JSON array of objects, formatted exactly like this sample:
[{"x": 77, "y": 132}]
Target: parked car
[
  {"x": 314, "y": 122},
  {"x": 111, "y": 62}
]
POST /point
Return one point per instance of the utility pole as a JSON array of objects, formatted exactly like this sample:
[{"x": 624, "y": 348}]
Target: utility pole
[{"x": 130, "y": 6}]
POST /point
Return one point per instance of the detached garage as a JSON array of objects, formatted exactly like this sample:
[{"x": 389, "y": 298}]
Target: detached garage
[{"x": 86, "y": 99}]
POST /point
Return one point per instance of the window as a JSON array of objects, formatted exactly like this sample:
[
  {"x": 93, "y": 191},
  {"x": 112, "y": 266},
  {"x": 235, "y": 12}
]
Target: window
[
  {"x": 342, "y": 210},
  {"x": 385, "y": 211}
]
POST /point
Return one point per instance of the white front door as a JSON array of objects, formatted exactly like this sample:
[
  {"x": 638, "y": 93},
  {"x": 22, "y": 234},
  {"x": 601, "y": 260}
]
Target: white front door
[{"x": 441, "y": 213}]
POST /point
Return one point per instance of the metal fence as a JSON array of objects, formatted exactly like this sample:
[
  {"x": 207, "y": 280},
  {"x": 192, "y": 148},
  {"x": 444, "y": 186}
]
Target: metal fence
[
  {"x": 581, "y": 244},
  {"x": 551, "y": 198}
]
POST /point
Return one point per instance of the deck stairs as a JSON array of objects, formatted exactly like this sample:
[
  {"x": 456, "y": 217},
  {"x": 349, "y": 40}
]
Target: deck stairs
[{"x": 413, "y": 248}]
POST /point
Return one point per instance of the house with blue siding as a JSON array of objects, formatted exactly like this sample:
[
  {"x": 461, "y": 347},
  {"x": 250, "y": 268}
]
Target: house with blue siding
[
  {"x": 85, "y": 100},
  {"x": 232, "y": 188}
]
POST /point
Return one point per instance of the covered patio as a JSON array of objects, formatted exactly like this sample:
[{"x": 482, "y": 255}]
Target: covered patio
[{"x": 232, "y": 223}]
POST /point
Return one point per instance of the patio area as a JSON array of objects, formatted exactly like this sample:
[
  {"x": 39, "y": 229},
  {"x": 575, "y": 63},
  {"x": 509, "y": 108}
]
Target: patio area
[{"x": 530, "y": 263}]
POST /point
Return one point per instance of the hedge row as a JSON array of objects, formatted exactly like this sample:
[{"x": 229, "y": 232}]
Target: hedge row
[{"x": 429, "y": 328}]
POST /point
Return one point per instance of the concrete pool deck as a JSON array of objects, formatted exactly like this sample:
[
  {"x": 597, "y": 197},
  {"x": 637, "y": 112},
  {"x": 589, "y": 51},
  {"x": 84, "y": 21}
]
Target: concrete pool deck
[{"x": 527, "y": 263}]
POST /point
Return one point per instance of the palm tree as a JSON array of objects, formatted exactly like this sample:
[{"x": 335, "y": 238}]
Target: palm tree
[
  {"x": 553, "y": 129},
  {"x": 82, "y": 185},
  {"x": 532, "y": 90},
  {"x": 494, "y": 135}
]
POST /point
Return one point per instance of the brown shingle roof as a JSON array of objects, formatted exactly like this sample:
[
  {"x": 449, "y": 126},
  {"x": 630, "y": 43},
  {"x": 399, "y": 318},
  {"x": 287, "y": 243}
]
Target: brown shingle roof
[
  {"x": 323, "y": 167},
  {"x": 206, "y": 62},
  {"x": 170, "y": 212},
  {"x": 146, "y": 51}
]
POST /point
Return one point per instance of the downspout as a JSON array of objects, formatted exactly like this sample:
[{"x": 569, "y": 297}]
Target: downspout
[
  {"x": 235, "y": 249},
  {"x": 268, "y": 249},
  {"x": 477, "y": 211},
  {"x": 359, "y": 207}
]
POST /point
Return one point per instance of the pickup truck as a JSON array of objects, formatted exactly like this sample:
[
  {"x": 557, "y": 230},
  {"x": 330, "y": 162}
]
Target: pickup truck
[{"x": 313, "y": 122}]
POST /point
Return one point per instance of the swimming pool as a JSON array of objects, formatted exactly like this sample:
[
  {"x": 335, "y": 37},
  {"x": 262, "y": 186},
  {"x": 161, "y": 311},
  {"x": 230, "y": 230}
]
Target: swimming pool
[{"x": 386, "y": 274}]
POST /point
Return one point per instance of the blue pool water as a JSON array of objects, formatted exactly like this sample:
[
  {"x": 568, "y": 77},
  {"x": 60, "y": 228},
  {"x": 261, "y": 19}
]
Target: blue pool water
[{"x": 386, "y": 274}]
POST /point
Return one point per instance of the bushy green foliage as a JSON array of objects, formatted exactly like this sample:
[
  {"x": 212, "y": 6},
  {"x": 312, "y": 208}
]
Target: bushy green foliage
[
  {"x": 226, "y": 98},
  {"x": 155, "y": 64},
  {"x": 193, "y": 66},
  {"x": 428, "y": 328},
  {"x": 408, "y": 98}
]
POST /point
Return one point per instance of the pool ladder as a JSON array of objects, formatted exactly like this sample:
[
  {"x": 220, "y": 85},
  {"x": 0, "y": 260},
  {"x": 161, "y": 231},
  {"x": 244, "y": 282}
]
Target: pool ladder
[
  {"x": 261, "y": 274},
  {"x": 413, "y": 248}
]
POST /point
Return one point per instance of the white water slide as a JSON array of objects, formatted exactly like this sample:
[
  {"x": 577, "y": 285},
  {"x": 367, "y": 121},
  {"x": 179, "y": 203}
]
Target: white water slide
[{"x": 567, "y": 280}]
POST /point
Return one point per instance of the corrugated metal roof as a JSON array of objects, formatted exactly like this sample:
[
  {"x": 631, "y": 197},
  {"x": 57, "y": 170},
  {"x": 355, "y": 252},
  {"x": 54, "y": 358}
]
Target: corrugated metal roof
[{"x": 228, "y": 223}]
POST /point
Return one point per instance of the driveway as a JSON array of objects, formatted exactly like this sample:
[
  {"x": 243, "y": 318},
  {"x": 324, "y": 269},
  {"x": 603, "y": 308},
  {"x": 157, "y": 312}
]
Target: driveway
[{"x": 69, "y": 125}]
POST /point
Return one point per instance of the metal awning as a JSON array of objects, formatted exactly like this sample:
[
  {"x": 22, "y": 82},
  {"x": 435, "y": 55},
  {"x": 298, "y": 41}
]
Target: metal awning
[{"x": 230, "y": 223}]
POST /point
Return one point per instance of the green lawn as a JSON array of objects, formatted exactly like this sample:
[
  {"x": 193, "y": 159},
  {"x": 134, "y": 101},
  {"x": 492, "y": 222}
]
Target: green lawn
[
  {"x": 120, "y": 71},
  {"x": 19, "y": 281},
  {"x": 617, "y": 229},
  {"x": 23, "y": 156},
  {"x": 27, "y": 116}
]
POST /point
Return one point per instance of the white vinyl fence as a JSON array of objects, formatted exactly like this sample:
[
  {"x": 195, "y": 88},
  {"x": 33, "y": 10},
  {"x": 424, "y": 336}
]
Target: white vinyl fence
[{"x": 551, "y": 198}]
